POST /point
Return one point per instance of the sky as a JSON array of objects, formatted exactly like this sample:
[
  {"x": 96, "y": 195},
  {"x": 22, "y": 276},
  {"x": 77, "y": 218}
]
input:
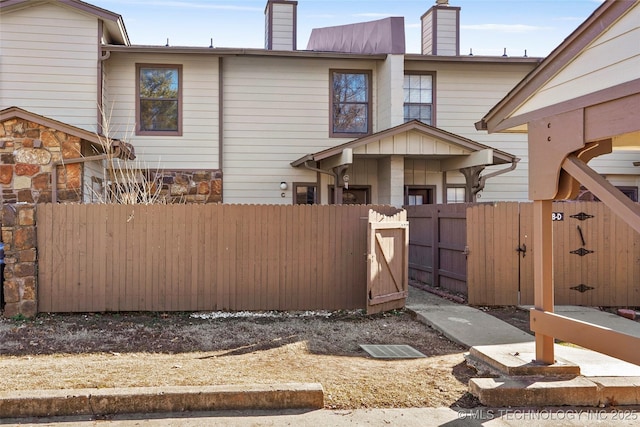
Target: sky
[{"x": 487, "y": 27}]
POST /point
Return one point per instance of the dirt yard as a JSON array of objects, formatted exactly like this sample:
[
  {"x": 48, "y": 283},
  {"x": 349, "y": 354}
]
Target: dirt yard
[{"x": 143, "y": 349}]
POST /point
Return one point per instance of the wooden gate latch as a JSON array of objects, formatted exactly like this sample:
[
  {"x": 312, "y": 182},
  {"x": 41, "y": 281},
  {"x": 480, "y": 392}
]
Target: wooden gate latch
[{"x": 522, "y": 249}]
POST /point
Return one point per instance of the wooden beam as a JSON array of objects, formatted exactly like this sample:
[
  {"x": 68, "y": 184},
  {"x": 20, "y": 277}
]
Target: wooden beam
[
  {"x": 619, "y": 204},
  {"x": 613, "y": 118},
  {"x": 594, "y": 337},
  {"x": 543, "y": 274},
  {"x": 551, "y": 140},
  {"x": 477, "y": 158}
]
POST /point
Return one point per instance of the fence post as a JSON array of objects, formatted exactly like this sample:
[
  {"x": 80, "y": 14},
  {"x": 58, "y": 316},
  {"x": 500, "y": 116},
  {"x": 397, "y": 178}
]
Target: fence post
[{"x": 20, "y": 272}]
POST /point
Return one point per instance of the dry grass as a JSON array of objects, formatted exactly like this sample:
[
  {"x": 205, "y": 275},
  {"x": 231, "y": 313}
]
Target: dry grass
[{"x": 64, "y": 352}]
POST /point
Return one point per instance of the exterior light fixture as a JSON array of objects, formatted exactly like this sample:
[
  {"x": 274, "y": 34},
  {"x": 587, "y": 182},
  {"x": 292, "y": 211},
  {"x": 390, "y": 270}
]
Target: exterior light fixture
[{"x": 283, "y": 185}]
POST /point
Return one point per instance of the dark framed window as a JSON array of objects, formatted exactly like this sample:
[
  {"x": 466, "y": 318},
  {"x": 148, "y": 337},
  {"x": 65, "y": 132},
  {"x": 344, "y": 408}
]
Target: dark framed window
[
  {"x": 456, "y": 194},
  {"x": 159, "y": 99},
  {"x": 354, "y": 195},
  {"x": 350, "y": 103},
  {"x": 419, "y": 195},
  {"x": 305, "y": 193},
  {"x": 418, "y": 98}
]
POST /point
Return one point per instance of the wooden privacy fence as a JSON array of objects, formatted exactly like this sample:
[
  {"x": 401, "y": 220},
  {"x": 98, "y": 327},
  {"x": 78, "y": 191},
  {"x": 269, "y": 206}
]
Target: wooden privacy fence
[
  {"x": 596, "y": 255},
  {"x": 95, "y": 258},
  {"x": 437, "y": 245},
  {"x": 485, "y": 251}
]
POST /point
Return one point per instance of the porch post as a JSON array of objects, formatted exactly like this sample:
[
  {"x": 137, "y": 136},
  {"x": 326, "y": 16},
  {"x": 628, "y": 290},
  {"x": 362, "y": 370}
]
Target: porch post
[
  {"x": 472, "y": 182},
  {"x": 543, "y": 273}
]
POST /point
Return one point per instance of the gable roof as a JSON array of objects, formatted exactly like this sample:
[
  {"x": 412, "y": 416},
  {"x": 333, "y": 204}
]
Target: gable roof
[
  {"x": 113, "y": 22},
  {"x": 500, "y": 157},
  {"x": 121, "y": 149},
  {"x": 501, "y": 117}
]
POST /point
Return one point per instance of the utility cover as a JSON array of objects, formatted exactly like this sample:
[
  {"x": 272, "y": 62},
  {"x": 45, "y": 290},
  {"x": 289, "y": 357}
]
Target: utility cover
[{"x": 392, "y": 351}]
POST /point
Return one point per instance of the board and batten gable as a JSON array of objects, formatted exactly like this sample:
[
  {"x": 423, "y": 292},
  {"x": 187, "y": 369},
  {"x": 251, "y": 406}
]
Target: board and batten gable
[
  {"x": 611, "y": 59},
  {"x": 465, "y": 91},
  {"x": 277, "y": 110},
  {"x": 49, "y": 63},
  {"x": 197, "y": 147}
]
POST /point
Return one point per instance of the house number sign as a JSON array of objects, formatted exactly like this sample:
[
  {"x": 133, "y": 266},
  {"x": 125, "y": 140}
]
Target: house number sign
[{"x": 557, "y": 216}]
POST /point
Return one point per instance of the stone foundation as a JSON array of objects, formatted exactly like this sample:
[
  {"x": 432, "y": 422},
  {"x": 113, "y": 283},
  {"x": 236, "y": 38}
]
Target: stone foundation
[{"x": 20, "y": 256}]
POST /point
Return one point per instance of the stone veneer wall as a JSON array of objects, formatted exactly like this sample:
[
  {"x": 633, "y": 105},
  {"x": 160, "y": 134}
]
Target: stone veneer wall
[
  {"x": 28, "y": 152},
  {"x": 184, "y": 186},
  {"x": 20, "y": 255}
]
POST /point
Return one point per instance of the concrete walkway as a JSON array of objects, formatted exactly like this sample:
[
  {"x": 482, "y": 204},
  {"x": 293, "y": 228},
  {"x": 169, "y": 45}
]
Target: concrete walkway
[
  {"x": 472, "y": 327},
  {"x": 460, "y": 323},
  {"x": 578, "y": 377}
]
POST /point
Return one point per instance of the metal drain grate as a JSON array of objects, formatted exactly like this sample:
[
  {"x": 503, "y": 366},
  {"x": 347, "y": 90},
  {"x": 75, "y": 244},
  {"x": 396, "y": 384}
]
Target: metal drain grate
[{"x": 392, "y": 351}]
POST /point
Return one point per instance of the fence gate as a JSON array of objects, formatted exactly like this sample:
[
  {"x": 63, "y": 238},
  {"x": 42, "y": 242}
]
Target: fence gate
[
  {"x": 387, "y": 261},
  {"x": 595, "y": 253}
]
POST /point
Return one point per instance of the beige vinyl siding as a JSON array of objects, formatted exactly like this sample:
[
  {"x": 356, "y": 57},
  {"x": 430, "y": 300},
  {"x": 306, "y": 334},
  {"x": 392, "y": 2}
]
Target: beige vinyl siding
[
  {"x": 619, "y": 162},
  {"x": 282, "y": 27},
  {"x": 612, "y": 59},
  {"x": 197, "y": 148},
  {"x": 427, "y": 34},
  {"x": 49, "y": 63},
  {"x": 464, "y": 94},
  {"x": 390, "y": 78},
  {"x": 91, "y": 170},
  {"x": 276, "y": 111},
  {"x": 447, "y": 32},
  {"x": 365, "y": 171}
]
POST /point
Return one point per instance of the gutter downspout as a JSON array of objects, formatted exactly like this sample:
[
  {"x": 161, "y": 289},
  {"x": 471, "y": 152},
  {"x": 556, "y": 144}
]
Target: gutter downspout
[
  {"x": 54, "y": 170},
  {"x": 333, "y": 174},
  {"x": 483, "y": 179},
  {"x": 221, "y": 124}
]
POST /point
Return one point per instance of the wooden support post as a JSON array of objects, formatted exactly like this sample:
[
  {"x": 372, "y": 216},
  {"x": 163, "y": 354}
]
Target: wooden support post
[{"x": 543, "y": 273}]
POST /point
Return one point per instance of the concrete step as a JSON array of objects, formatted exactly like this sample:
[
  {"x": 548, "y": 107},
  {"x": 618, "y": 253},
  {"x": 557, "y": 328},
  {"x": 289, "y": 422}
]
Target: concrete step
[
  {"x": 50, "y": 403},
  {"x": 545, "y": 391},
  {"x": 508, "y": 360}
]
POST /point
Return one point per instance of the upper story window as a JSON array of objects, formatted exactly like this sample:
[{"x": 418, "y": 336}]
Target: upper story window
[
  {"x": 350, "y": 103},
  {"x": 418, "y": 98},
  {"x": 159, "y": 100}
]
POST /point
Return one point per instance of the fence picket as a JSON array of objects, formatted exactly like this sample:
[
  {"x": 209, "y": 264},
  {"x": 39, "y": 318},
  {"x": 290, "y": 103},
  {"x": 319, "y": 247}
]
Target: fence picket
[{"x": 183, "y": 257}]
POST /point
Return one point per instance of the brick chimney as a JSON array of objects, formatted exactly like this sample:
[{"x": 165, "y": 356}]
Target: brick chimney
[
  {"x": 280, "y": 25},
  {"x": 441, "y": 30}
]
